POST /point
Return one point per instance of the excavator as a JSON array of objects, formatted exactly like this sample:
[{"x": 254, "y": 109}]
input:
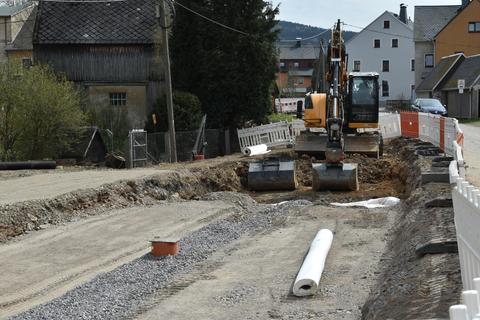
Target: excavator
[{"x": 341, "y": 119}]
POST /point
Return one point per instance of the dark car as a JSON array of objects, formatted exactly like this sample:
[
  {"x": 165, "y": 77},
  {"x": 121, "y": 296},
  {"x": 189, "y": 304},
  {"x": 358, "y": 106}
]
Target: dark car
[{"x": 430, "y": 106}]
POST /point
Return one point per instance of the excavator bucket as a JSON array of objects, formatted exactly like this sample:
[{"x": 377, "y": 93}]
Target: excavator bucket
[
  {"x": 343, "y": 176},
  {"x": 272, "y": 174},
  {"x": 316, "y": 144}
]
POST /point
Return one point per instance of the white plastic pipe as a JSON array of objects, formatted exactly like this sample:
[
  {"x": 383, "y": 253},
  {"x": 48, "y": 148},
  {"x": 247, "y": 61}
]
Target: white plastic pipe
[
  {"x": 458, "y": 312},
  {"x": 256, "y": 150},
  {"x": 470, "y": 299},
  {"x": 310, "y": 273}
]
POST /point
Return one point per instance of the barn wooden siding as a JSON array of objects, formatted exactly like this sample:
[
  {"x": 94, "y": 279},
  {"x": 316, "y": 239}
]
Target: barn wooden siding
[{"x": 102, "y": 63}]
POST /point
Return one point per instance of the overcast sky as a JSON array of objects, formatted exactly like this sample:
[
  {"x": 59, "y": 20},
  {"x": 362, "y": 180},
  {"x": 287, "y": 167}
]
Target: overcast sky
[{"x": 324, "y": 13}]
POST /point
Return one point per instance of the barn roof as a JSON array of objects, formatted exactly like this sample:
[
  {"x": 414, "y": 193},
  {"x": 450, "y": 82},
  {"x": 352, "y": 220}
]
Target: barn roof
[{"x": 117, "y": 22}]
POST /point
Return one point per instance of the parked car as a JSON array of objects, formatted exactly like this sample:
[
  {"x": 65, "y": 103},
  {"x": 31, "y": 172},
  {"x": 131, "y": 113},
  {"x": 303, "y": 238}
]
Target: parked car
[{"x": 430, "y": 106}]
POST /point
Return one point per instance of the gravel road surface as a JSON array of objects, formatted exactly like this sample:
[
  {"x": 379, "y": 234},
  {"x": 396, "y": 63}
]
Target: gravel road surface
[{"x": 45, "y": 264}]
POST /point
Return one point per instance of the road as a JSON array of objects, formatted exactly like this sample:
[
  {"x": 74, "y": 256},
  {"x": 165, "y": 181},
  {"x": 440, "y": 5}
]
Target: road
[
  {"x": 44, "y": 265},
  {"x": 471, "y": 151},
  {"x": 50, "y": 185}
]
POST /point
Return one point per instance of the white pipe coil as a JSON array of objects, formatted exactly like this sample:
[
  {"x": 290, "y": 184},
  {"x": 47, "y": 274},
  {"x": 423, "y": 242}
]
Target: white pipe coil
[
  {"x": 308, "y": 277},
  {"x": 256, "y": 150}
]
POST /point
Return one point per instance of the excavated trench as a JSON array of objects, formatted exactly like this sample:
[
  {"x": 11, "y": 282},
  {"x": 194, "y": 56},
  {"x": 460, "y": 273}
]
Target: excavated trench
[{"x": 408, "y": 286}]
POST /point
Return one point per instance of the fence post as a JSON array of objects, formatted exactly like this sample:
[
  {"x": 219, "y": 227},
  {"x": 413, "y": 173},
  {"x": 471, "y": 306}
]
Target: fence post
[
  {"x": 167, "y": 145},
  {"x": 227, "y": 141}
]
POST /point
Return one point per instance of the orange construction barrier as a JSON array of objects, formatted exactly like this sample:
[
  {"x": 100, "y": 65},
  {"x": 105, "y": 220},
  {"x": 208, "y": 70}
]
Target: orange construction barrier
[{"x": 409, "y": 124}]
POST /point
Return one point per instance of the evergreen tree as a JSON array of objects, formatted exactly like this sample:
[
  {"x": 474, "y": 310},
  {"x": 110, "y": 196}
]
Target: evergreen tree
[{"x": 231, "y": 73}]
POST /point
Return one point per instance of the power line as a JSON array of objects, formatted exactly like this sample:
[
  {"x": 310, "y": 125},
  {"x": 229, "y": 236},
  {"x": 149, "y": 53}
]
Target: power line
[
  {"x": 214, "y": 21},
  {"x": 304, "y": 39}
]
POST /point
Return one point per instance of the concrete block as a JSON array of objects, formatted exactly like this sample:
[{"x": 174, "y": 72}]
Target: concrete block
[
  {"x": 442, "y": 159},
  {"x": 432, "y": 176},
  {"x": 440, "y": 164},
  {"x": 436, "y": 246},
  {"x": 440, "y": 203},
  {"x": 428, "y": 152}
]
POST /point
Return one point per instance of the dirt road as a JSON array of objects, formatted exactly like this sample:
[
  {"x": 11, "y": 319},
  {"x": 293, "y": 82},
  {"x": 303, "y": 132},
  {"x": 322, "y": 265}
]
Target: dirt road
[
  {"x": 471, "y": 151},
  {"x": 50, "y": 185},
  {"x": 252, "y": 278},
  {"x": 46, "y": 264}
]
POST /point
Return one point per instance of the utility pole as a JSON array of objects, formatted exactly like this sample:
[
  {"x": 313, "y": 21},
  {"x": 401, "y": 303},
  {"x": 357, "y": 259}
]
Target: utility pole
[{"x": 168, "y": 81}]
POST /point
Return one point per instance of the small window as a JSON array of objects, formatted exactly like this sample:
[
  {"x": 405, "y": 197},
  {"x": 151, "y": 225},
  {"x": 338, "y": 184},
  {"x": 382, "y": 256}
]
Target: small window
[
  {"x": 385, "y": 65},
  {"x": 118, "y": 98},
  {"x": 376, "y": 43},
  {"x": 356, "y": 66},
  {"x": 429, "y": 60},
  {"x": 474, "y": 27},
  {"x": 412, "y": 65},
  {"x": 394, "y": 43},
  {"x": 385, "y": 92},
  {"x": 27, "y": 62},
  {"x": 386, "y": 24}
]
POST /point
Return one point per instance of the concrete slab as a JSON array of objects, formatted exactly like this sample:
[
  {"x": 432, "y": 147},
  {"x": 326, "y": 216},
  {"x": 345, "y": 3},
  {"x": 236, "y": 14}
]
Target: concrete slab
[{"x": 432, "y": 176}]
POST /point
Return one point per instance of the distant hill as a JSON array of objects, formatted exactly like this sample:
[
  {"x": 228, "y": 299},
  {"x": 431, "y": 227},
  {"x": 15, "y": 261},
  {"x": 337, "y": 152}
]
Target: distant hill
[{"x": 292, "y": 30}]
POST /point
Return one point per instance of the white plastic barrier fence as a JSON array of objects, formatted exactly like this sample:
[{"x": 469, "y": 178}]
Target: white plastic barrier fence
[
  {"x": 273, "y": 134},
  {"x": 429, "y": 128},
  {"x": 452, "y": 131},
  {"x": 466, "y": 200},
  {"x": 298, "y": 126},
  {"x": 390, "y": 125},
  {"x": 470, "y": 309}
]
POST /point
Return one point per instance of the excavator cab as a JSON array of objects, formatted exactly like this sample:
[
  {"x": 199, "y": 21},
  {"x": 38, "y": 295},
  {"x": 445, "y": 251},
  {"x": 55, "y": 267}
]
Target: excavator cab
[{"x": 363, "y": 100}]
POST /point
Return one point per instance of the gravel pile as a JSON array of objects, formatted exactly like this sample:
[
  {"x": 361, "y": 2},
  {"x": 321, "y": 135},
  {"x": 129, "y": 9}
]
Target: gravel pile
[{"x": 117, "y": 294}]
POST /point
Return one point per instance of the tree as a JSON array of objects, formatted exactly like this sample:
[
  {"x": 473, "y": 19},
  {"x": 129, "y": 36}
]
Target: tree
[
  {"x": 40, "y": 115},
  {"x": 231, "y": 73},
  {"x": 187, "y": 109}
]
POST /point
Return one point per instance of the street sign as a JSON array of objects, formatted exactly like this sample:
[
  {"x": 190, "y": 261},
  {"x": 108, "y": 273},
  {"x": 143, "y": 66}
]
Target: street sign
[{"x": 461, "y": 85}]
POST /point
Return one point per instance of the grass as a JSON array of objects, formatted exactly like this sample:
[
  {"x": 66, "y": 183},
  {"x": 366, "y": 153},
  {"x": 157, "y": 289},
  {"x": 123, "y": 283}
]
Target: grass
[
  {"x": 475, "y": 122},
  {"x": 277, "y": 117}
]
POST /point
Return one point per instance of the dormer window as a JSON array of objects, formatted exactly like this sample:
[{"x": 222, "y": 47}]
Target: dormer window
[{"x": 386, "y": 24}]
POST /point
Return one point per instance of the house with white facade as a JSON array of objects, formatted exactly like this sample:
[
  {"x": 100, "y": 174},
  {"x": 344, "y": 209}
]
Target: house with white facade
[{"x": 386, "y": 46}]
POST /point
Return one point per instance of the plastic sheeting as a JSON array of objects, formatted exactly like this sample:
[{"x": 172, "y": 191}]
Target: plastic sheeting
[{"x": 371, "y": 204}]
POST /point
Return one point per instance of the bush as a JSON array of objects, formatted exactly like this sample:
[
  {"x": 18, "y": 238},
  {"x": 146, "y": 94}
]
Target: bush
[
  {"x": 187, "y": 111},
  {"x": 40, "y": 113}
]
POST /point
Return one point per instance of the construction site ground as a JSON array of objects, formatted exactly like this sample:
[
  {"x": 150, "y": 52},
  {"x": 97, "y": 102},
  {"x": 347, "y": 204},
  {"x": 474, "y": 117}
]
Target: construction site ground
[{"x": 75, "y": 243}]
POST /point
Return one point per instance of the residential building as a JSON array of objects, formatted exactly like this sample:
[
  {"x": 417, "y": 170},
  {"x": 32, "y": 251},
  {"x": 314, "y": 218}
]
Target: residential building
[
  {"x": 295, "y": 67},
  {"x": 429, "y": 20},
  {"x": 461, "y": 33},
  {"x": 443, "y": 83},
  {"x": 106, "y": 48},
  {"x": 12, "y": 20},
  {"x": 385, "y": 46}
]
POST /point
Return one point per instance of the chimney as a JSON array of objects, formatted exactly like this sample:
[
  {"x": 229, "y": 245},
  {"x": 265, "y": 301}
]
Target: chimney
[
  {"x": 403, "y": 13},
  {"x": 299, "y": 42}
]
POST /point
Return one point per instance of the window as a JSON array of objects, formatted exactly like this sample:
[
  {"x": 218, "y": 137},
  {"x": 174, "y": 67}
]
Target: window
[
  {"x": 376, "y": 43},
  {"x": 385, "y": 88},
  {"x": 474, "y": 27},
  {"x": 27, "y": 62},
  {"x": 296, "y": 64},
  {"x": 385, "y": 65},
  {"x": 356, "y": 66},
  {"x": 118, "y": 98},
  {"x": 429, "y": 60},
  {"x": 412, "y": 65},
  {"x": 394, "y": 43},
  {"x": 386, "y": 24}
]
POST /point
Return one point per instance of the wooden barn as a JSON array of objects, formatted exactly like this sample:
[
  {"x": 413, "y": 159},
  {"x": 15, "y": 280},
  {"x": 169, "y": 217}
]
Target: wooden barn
[{"x": 107, "y": 48}]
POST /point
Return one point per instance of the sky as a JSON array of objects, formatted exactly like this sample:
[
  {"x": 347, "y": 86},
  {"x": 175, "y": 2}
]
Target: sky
[{"x": 324, "y": 13}]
